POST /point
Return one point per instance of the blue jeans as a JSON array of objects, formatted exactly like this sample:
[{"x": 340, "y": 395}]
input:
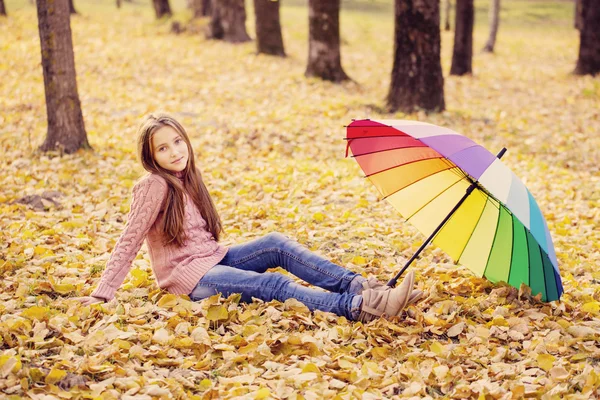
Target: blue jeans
[{"x": 243, "y": 270}]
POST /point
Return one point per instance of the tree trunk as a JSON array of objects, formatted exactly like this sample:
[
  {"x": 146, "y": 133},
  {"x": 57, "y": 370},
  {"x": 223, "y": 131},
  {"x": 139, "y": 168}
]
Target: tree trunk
[
  {"x": 228, "y": 21},
  {"x": 463, "y": 38},
  {"x": 578, "y": 15},
  {"x": 200, "y": 8},
  {"x": 324, "y": 57},
  {"x": 589, "y": 42},
  {"x": 268, "y": 28},
  {"x": 118, "y": 3},
  {"x": 417, "y": 80},
  {"x": 494, "y": 22},
  {"x": 206, "y": 8},
  {"x": 447, "y": 15},
  {"x": 72, "y": 9},
  {"x": 2, "y": 8},
  {"x": 66, "y": 130},
  {"x": 161, "y": 8}
]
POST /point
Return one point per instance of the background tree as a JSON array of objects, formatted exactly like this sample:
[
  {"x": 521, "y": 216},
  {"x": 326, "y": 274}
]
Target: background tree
[
  {"x": 578, "y": 15},
  {"x": 417, "y": 80},
  {"x": 268, "y": 28},
  {"x": 161, "y": 8},
  {"x": 447, "y": 15},
  {"x": 324, "y": 57},
  {"x": 228, "y": 21},
  {"x": 2, "y": 8},
  {"x": 66, "y": 130},
  {"x": 494, "y": 22},
  {"x": 462, "y": 54},
  {"x": 589, "y": 39},
  {"x": 206, "y": 8},
  {"x": 72, "y": 9}
]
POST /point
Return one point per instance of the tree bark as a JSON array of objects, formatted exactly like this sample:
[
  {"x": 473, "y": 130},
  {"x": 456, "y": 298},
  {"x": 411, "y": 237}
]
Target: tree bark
[
  {"x": 228, "y": 21},
  {"x": 66, "y": 130},
  {"x": 494, "y": 23},
  {"x": 324, "y": 57},
  {"x": 161, "y": 8},
  {"x": 268, "y": 28},
  {"x": 2, "y": 8},
  {"x": 417, "y": 80},
  {"x": 447, "y": 15},
  {"x": 72, "y": 9},
  {"x": 588, "y": 62},
  {"x": 206, "y": 8},
  {"x": 578, "y": 15},
  {"x": 200, "y": 8},
  {"x": 463, "y": 38}
]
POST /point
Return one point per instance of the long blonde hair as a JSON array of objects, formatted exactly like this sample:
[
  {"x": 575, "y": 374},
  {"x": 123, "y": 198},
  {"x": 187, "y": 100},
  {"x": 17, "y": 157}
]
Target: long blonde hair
[{"x": 174, "y": 211}]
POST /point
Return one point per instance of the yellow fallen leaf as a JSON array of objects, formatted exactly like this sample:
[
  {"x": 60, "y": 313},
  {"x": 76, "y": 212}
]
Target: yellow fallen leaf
[
  {"x": 545, "y": 361},
  {"x": 55, "y": 375},
  {"x": 359, "y": 260},
  {"x": 168, "y": 301},
  {"x": 437, "y": 348},
  {"x": 36, "y": 312},
  {"x": 593, "y": 307},
  {"x": 262, "y": 393},
  {"x": 217, "y": 313}
]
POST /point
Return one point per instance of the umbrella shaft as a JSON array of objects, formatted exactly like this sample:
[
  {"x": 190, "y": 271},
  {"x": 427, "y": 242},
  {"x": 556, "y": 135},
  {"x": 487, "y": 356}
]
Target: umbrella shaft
[{"x": 470, "y": 189}]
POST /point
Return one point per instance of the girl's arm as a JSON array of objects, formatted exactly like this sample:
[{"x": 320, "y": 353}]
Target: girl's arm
[{"x": 148, "y": 197}]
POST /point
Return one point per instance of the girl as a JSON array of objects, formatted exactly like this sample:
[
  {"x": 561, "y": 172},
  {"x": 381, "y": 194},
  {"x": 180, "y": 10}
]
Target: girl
[{"x": 173, "y": 211}]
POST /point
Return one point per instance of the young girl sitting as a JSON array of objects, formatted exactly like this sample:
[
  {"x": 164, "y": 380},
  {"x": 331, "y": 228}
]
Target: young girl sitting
[{"x": 173, "y": 211}]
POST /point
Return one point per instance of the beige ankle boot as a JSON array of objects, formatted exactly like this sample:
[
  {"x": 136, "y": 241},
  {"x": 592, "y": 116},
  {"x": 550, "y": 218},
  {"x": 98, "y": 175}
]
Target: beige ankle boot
[
  {"x": 376, "y": 284},
  {"x": 377, "y": 303}
]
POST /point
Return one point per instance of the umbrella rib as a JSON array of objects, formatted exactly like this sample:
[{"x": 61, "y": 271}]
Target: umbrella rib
[
  {"x": 402, "y": 165},
  {"x": 495, "y": 234},
  {"x": 379, "y": 136},
  {"x": 438, "y": 195},
  {"x": 393, "y": 148},
  {"x": 543, "y": 272},
  {"x": 418, "y": 180},
  {"x": 473, "y": 231}
]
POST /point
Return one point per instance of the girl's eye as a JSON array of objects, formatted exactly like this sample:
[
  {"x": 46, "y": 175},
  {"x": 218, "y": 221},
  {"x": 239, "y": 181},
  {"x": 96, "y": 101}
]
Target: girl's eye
[
  {"x": 177, "y": 141},
  {"x": 162, "y": 148}
]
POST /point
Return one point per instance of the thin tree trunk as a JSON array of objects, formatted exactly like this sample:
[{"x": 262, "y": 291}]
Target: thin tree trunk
[
  {"x": 417, "y": 80},
  {"x": 228, "y": 21},
  {"x": 588, "y": 62},
  {"x": 494, "y": 22},
  {"x": 196, "y": 6},
  {"x": 66, "y": 130},
  {"x": 447, "y": 14},
  {"x": 268, "y": 28},
  {"x": 463, "y": 38},
  {"x": 72, "y": 9},
  {"x": 206, "y": 8},
  {"x": 118, "y": 3},
  {"x": 324, "y": 57},
  {"x": 161, "y": 8},
  {"x": 578, "y": 15},
  {"x": 2, "y": 8}
]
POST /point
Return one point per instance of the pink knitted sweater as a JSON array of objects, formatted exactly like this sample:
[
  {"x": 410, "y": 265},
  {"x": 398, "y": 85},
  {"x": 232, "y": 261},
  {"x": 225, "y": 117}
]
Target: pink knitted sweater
[{"x": 177, "y": 269}]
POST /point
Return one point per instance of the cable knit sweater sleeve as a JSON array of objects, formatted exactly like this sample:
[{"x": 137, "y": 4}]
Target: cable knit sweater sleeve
[{"x": 148, "y": 197}]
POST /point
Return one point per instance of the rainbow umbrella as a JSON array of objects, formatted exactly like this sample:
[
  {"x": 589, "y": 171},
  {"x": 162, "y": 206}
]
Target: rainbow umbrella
[{"x": 462, "y": 197}]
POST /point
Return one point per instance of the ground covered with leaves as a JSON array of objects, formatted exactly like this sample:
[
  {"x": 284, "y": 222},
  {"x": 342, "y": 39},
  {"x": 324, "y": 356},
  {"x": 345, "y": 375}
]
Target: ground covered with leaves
[{"x": 270, "y": 145}]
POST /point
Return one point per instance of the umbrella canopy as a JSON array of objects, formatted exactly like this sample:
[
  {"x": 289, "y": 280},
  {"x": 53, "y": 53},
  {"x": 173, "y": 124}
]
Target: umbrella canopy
[{"x": 423, "y": 170}]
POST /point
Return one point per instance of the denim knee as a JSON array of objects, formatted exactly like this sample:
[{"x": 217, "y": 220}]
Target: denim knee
[{"x": 276, "y": 237}]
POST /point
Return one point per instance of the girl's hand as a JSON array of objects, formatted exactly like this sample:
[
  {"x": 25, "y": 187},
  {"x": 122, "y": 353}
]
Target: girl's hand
[{"x": 87, "y": 300}]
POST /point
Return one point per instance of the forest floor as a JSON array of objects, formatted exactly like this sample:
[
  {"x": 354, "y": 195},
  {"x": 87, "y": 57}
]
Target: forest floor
[{"x": 270, "y": 145}]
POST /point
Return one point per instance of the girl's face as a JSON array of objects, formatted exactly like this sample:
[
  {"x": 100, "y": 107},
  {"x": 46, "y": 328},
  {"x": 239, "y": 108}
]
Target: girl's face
[{"x": 169, "y": 149}]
